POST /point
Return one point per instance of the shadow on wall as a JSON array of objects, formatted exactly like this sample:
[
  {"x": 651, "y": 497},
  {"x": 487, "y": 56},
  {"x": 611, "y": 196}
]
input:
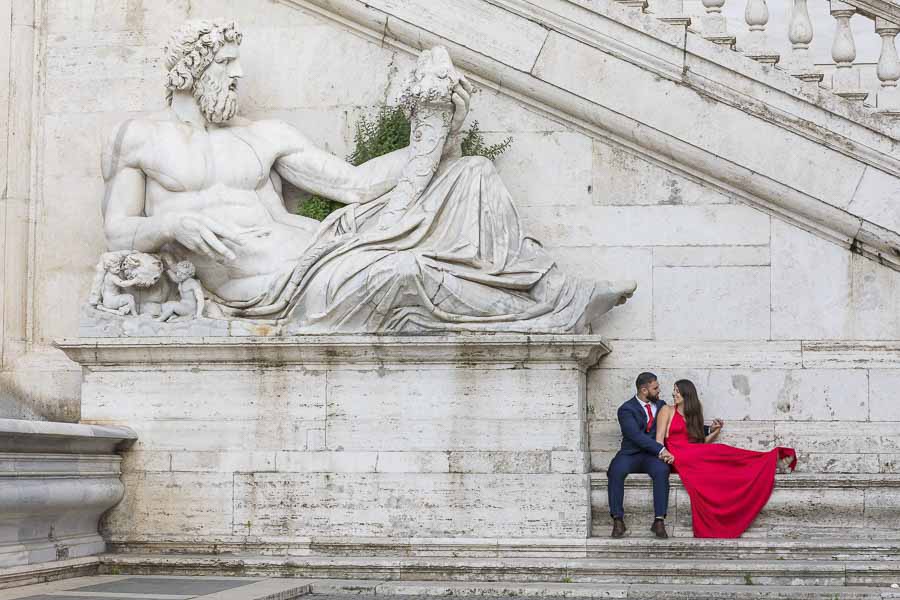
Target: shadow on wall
[{"x": 34, "y": 404}]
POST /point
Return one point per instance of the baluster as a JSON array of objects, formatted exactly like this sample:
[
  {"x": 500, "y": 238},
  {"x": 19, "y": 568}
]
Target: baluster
[
  {"x": 757, "y": 17},
  {"x": 800, "y": 33},
  {"x": 713, "y": 24},
  {"x": 845, "y": 82},
  {"x": 888, "y": 97},
  {"x": 670, "y": 11}
]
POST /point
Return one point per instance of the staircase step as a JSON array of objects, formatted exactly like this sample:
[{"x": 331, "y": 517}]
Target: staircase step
[
  {"x": 607, "y": 571},
  {"x": 342, "y": 590},
  {"x": 802, "y": 506}
]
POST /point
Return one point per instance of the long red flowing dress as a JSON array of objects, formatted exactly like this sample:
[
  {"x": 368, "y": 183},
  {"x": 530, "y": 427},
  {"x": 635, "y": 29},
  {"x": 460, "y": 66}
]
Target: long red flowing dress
[{"x": 728, "y": 486}]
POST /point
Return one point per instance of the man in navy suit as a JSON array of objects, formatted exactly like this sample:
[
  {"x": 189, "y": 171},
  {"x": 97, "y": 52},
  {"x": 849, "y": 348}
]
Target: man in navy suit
[{"x": 640, "y": 453}]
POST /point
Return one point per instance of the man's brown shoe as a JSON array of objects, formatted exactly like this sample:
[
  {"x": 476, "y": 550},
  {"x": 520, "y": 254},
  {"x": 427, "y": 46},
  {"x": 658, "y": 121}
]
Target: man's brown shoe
[
  {"x": 659, "y": 528},
  {"x": 618, "y": 528}
]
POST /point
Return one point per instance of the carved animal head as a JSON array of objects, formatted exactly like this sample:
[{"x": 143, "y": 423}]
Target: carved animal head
[
  {"x": 143, "y": 269},
  {"x": 432, "y": 81}
]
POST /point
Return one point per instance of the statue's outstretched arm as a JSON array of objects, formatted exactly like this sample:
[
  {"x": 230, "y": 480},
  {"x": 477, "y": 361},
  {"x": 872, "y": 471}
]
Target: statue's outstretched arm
[{"x": 319, "y": 172}]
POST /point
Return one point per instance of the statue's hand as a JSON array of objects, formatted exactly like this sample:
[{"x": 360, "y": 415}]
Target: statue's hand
[
  {"x": 462, "y": 96},
  {"x": 205, "y": 236}
]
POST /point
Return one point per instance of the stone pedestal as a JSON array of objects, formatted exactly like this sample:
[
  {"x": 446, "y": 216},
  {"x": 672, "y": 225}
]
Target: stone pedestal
[{"x": 268, "y": 442}]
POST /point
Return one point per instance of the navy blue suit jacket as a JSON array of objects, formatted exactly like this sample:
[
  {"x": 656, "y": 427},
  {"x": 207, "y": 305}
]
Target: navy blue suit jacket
[{"x": 633, "y": 421}]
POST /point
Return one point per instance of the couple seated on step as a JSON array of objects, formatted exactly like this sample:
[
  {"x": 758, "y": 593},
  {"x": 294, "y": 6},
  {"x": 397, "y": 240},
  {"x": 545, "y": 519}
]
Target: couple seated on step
[{"x": 727, "y": 486}]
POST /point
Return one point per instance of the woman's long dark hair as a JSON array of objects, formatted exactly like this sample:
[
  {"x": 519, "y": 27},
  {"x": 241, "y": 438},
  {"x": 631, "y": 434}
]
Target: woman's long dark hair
[{"x": 693, "y": 410}]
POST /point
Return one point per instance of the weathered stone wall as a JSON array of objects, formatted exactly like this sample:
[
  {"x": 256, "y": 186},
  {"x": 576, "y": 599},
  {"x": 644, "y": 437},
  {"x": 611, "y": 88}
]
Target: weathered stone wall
[{"x": 728, "y": 295}]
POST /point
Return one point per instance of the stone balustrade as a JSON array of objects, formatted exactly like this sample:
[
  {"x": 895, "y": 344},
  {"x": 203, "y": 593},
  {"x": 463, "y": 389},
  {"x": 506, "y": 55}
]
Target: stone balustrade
[{"x": 846, "y": 78}]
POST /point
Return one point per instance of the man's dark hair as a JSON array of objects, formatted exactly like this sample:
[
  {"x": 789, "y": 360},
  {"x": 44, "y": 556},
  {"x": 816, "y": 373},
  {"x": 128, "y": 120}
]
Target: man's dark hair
[{"x": 644, "y": 379}]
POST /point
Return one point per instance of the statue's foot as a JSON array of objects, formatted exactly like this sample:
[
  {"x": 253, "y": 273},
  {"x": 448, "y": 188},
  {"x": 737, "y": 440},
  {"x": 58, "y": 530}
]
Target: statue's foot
[{"x": 607, "y": 295}]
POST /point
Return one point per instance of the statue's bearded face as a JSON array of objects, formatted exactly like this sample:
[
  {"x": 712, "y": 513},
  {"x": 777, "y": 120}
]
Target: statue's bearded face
[{"x": 216, "y": 90}]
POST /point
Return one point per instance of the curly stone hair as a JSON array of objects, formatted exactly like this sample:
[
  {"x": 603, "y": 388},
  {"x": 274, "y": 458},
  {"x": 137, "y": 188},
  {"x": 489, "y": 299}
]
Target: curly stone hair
[{"x": 192, "y": 48}]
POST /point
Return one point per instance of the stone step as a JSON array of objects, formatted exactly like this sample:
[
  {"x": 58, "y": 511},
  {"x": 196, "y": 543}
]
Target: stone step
[
  {"x": 611, "y": 571},
  {"x": 836, "y": 548},
  {"x": 802, "y": 506},
  {"x": 326, "y": 589}
]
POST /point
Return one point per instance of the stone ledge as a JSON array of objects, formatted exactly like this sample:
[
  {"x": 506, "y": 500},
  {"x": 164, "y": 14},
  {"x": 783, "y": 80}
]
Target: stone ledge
[
  {"x": 345, "y": 351},
  {"x": 64, "y": 438},
  {"x": 801, "y": 481},
  {"x": 11, "y": 577},
  {"x": 600, "y": 547},
  {"x": 802, "y": 506},
  {"x": 635, "y": 571}
]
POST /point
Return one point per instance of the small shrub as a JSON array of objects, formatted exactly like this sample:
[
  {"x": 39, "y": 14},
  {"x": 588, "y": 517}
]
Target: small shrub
[{"x": 386, "y": 132}]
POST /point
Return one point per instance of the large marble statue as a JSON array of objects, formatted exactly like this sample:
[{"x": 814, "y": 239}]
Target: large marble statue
[{"x": 427, "y": 241}]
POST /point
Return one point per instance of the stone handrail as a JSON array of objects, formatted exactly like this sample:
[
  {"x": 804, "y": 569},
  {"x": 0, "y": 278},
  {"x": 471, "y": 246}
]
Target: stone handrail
[{"x": 846, "y": 83}]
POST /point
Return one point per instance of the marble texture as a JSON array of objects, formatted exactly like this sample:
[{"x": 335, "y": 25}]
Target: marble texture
[{"x": 373, "y": 436}]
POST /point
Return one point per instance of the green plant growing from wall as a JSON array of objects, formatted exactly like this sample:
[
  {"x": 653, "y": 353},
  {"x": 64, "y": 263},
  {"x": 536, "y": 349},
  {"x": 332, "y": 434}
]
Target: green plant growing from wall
[{"x": 387, "y": 131}]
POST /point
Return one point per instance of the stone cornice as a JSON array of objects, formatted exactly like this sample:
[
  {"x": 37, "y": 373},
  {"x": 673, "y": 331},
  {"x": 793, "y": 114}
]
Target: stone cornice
[
  {"x": 344, "y": 351},
  {"x": 62, "y": 438},
  {"x": 821, "y": 117}
]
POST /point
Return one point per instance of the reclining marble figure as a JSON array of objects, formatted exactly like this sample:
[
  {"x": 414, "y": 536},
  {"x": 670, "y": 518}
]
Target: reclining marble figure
[{"x": 428, "y": 240}]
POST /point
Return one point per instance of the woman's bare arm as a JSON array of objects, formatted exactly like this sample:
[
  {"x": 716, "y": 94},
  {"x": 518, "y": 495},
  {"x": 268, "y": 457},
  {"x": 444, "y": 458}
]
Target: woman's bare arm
[
  {"x": 662, "y": 424},
  {"x": 714, "y": 431}
]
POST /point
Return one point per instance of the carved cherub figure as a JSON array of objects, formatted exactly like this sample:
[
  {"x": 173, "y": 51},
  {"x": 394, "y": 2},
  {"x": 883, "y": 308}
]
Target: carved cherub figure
[
  {"x": 106, "y": 293},
  {"x": 120, "y": 270},
  {"x": 191, "y": 299}
]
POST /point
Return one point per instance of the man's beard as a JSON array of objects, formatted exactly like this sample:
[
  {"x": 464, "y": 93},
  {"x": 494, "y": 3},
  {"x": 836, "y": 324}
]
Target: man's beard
[{"x": 217, "y": 102}]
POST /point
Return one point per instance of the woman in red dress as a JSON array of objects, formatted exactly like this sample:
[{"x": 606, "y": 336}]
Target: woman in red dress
[{"x": 728, "y": 486}]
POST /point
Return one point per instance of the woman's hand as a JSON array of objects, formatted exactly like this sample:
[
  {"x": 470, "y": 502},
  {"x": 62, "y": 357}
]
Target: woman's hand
[{"x": 717, "y": 425}]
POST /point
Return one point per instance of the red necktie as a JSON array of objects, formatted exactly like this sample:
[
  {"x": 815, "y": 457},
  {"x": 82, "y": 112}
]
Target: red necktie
[{"x": 649, "y": 417}]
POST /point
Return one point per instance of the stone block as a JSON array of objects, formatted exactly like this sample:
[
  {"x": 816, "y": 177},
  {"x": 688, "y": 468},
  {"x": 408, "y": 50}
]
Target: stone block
[
  {"x": 413, "y": 462},
  {"x": 191, "y": 504},
  {"x": 838, "y": 438},
  {"x": 883, "y": 384},
  {"x": 360, "y": 68},
  {"x": 634, "y": 319},
  {"x": 411, "y": 504},
  {"x": 452, "y": 435},
  {"x": 443, "y": 394},
  {"x": 220, "y": 462},
  {"x": 497, "y": 112},
  {"x": 876, "y": 199},
  {"x": 787, "y": 395},
  {"x": 271, "y": 394},
  {"x": 812, "y": 462},
  {"x": 569, "y": 461},
  {"x": 716, "y": 256},
  {"x": 564, "y": 176},
  {"x": 875, "y": 305},
  {"x": 327, "y": 462},
  {"x": 484, "y": 28},
  {"x": 500, "y": 462},
  {"x": 711, "y": 354},
  {"x": 811, "y": 288},
  {"x": 691, "y": 303},
  {"x": 715, "y": 225},
  {"x": 624, "y": 178}
]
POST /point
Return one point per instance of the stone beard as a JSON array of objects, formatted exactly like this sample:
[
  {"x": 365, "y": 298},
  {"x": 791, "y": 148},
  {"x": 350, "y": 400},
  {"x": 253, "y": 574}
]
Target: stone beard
[{"x": 217, "y": 97}]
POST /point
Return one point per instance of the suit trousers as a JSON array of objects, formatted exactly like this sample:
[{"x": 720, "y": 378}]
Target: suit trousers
[{"x": 642, "y": 462}]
